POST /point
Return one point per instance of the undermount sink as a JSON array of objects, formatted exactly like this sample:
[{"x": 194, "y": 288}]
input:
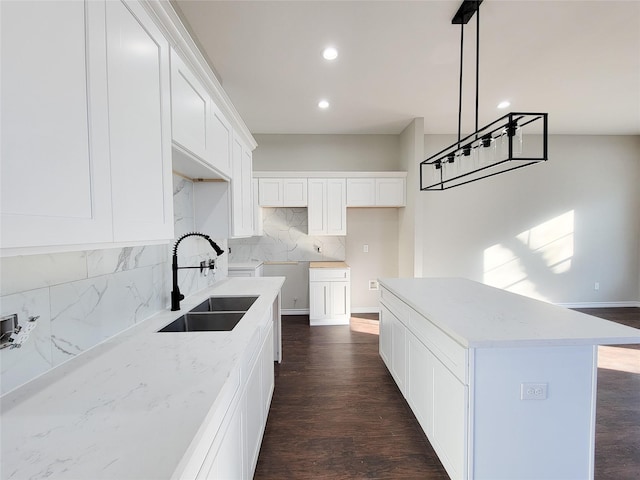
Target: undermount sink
[
  {"x": 215, "y": 314},
  {"x": 204, "y": 322},
  {"x": 225, "y": 304}
]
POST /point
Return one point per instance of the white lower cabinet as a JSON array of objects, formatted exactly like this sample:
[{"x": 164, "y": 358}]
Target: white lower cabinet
[
  {"x": 233, "y": 453},
  {"x": 437, "y": 397},
  {"x": 329, "y": 296}
]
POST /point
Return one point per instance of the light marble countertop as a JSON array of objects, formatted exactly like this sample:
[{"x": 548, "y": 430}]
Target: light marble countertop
[
  {"x": 130, "y": 407},
  {"x": 477, "y": 315}
]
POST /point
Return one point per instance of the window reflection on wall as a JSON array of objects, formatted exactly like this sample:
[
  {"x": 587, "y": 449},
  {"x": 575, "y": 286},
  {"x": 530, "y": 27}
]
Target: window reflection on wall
[{"x": 523, "y": 263}]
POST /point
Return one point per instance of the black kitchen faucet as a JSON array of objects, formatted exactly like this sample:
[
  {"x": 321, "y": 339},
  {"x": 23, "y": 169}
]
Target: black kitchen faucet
[{"x": 176, "y": 296}]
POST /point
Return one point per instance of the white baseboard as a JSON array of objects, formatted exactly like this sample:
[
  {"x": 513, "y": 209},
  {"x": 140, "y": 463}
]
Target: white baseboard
[
  {"x": 294, "y": 311},
  {"x": 599, "y": 304},
  {"x": 375, "y": 309}
]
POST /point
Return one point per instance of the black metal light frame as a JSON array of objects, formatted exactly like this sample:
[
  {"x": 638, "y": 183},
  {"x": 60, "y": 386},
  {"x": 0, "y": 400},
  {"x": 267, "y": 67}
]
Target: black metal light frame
[
  {"x": 482, "y": 137},
  {"x": 500, "y": 165}
]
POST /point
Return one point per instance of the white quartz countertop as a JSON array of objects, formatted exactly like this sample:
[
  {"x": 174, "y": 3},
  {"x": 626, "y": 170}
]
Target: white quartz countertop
[
  {"x": 476, "y": 315},
  {"x": 130, "y": 407}
]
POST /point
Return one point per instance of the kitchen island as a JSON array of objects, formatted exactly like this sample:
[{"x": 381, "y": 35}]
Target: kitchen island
[
  {"x": 504, "y": 386},
  {"x": 149, "y": 405}
]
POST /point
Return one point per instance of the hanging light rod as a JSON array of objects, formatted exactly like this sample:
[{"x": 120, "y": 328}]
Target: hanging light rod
[
  {"x": 466, "y": 11},
  {"x": 493, "y": 149}
]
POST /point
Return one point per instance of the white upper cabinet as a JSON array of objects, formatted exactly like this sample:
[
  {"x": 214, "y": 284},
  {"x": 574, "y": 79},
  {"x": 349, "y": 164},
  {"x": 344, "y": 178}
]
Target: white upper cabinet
[
  {"x": 376, "y": 192},
  {"x": 327, "y": 209},
  {"x": 283, "y": 192},
  {"x": 55, "y": 153},
  {"x": 221, "y": 137},
  {"x": 241, "y": 185},
  {"x": 139, "y": 125},
  {"x": 191, "y": 110}
]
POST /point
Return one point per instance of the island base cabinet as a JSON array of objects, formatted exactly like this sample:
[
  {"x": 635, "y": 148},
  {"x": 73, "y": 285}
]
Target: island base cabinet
[{"x": 439, "y": 401}]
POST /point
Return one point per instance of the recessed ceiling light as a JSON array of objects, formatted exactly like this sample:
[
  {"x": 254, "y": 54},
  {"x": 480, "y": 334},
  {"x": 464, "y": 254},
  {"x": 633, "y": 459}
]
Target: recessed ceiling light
[
  {"x": 504, "y": 104},
  {"x": 330, "y": 53},
  {"x": 323, "y": 104}
]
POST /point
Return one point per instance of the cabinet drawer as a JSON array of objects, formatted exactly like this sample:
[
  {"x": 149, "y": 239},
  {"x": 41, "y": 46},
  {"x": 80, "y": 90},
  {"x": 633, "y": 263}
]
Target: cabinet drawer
[
  {"x": 395, "y": 305},
  {"x": 328, "y": 274},
  {"x": 452, "y": 355}
]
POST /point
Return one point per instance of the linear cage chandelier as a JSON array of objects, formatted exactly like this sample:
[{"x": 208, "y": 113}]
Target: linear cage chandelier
[{"x": 513, "y": 141}]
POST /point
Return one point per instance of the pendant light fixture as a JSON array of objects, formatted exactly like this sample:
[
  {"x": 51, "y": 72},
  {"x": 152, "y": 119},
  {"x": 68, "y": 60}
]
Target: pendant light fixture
[{"x": 513, "y": 141}]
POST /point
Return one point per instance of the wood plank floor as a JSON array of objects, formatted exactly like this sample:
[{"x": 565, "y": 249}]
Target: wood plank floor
[{"x": 337, "y": 413}]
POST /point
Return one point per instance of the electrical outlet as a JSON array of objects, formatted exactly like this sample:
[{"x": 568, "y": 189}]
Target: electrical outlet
[
  {"x": 596, "y": 286},
  {"x": 365, "y": 248},
  {"x": 373, "y": 285},
  {"x": 533, "y": 391}
]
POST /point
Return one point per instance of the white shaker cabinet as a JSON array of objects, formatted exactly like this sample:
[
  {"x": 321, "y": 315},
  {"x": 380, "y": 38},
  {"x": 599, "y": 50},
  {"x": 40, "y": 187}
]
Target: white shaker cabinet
[
  {"x": 327, "y": 209},
  {"x": 233, "y": 453},
  {"x": 191, "y": 110},
  {"x": 329, "y": 293},
  {"x": 376, "y": 192},
  {"x": 282, "y": 192},
  {"x": 139, "y": 124},
  {"x": 55, "y": 152},
  {"x": 241, "y": 189},
  {"x": 86, "y": 126}
]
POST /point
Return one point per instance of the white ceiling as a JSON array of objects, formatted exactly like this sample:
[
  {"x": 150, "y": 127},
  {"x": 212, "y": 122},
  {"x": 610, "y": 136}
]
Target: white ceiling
[{"x": 577, "y": 60}]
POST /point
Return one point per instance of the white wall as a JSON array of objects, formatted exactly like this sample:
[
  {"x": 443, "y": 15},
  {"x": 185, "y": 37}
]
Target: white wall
[
  {"x": 550, "y": 230},
  {"x": 368, "y": 153},
  {"x": 411, "y": 154},
  {"x": 376, "y": 227}
]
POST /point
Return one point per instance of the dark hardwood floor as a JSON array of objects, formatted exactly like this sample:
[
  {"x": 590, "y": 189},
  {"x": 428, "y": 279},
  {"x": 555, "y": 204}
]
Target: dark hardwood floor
[{"x": 337, "y": 413}]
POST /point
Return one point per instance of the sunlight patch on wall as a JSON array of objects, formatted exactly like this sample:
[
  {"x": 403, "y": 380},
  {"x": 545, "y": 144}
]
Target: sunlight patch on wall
[{"x": 522, "y": 264}]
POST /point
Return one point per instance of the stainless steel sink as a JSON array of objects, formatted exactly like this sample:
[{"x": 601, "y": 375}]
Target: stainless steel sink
[
  {"x": 204, "y": 322},
  {"x": 225, "y": 304}
]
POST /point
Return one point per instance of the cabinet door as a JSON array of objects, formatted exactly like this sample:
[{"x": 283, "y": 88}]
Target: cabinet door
[
  {"x": 221, "y": 134},
  {"x": 190, "y": 107},
  {"x": 242, "y": 201},
  {"x": 294, "y": 192},
  {"x": 319, "y": 300},
  {"x": 450, "y": 417},
  {"x": 139, "y": 124},
  {"x": 270, "y": 192},
  {"x": 258, "y": 229},
  {"x": 385, "y": 335},
  {"x": 55, "y": 187},
  {"x": 390, "y": 192},
  {"x": 255, "y": 416},
  {"x": 229, "y": 462},
  {"x": 340, "y": 306},
  {"x": 317, "y": 208},
  {"x": 361, "y": 192},
  {"x": 420, "y": 363},
  {"x": 336, "y": 206},
  {"x": 398, "y": 352},
  {"x": 268, "y": 380}
]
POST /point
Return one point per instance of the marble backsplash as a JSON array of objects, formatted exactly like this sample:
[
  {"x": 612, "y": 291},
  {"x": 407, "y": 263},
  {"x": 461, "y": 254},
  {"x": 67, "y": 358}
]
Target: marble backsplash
[
  {"x": 82, "y": 298},
  {"x": 285, "y": 239}
]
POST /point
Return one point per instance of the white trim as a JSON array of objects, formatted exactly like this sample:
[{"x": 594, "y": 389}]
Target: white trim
[
  {"x": 600, "y": 304},
  {"x": 294, "y": 311},
  {"x": 333, "y": 174},
  {"x": 375, "y": 309},
  {"x": 328, "y": 321}
]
